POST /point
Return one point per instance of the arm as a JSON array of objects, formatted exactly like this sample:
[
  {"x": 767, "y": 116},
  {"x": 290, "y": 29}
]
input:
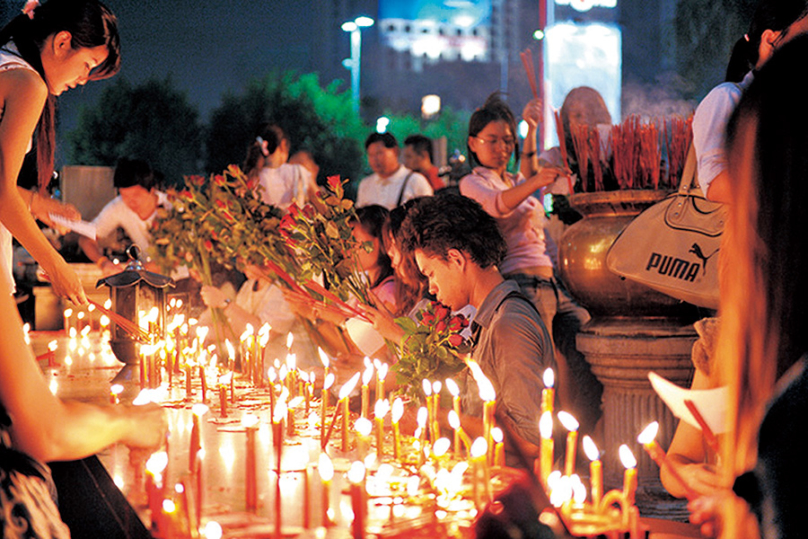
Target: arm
[
  {"x": 43, "y": 207},
  {"x": 49, "y": 429},
  {"x": 23, "y": 95},
  {"x": 529, "y": 162}
]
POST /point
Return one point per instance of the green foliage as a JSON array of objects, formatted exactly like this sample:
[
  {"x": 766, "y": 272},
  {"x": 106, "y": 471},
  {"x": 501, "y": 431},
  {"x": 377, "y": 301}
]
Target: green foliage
[
  {"x": 452, "y": 124},
  {"x": 151, "y": 121},
  {"x": 320, "y": 120}
]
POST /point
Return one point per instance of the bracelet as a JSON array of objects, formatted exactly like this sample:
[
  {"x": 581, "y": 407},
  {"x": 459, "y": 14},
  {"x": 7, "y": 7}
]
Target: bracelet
[{"x": 529, "y": 154}]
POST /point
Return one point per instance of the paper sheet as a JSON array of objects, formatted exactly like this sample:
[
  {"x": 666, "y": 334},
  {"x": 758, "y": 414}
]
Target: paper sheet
[
  {"x": 366, "y": 338},
  {"x": 711, "y": 403},
  {"x": 81, "y": 227}
]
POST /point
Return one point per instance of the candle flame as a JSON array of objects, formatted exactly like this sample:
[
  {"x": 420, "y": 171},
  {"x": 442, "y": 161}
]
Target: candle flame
[
  {"x": 562, "y": 491},
  {"x": 356, "y": 474},
  {"x": 649, "y": 433},
  {"x": 569, "y": 422},
  {"x": 179, "y": 488},
  {"x": 496, "y": 434},
  {"x": 329, "y": 381},
  {"x": 304, "y": 376},
  {"x": 202, "y": 332},
  {"x": 451, "y": 385},
  {"x": 169, "y": 506},
  {"x": 249, "y": 421},
  {"x": 590, "y": 449},
  {"x": 627, "y": 457},
  {"x": 225, "y": 378},
  {"x": 381, "y": 408},
  {"x": 345, "y": 391},
  {"x": 116, "y": 389},
  {"x": 578, "y": 490},
  {"x": 423, "y": 414},
  {"x": 454, "y": 420},
  {"x": 157, "y": 462},
  {"x": 81, "y": 315},
  {"x": 486, "y": 388},
  {"x": 271, "y": 374},
  {"x": 324, "y": 359},
  {"x": 479, "y": 448},
  {"x": 441, "y": 447},
  {"x": 367, "y": 375},
  {"x": 108, "y": 304},
  {"x": 290, "y": 339},
  {"x": 427, "y": 387},
  {"x": 263, "y": 338},
  {"x": 265, "y": 329},
  {"x": 381, "y": 370},
  {"x": 549, "y": 378},
  {"x": 283, "y": 372},
  {"x": 398, "y": 410},
  {"x": 279, "y": 413},
  {"x": 546, "y": 425},
  {"x": 52, "y": 346},
  {"x": 199, "y": 409},
  {"x": 363, "y": 426},
  {"x": 213, "y": 530},
  {"x": 231, "y": 351},
  {"x": 68, "y": 313},
  {"x": 297, "y": 401},
  {"x": 436, "y": 387},
  {"x": 325, "y": 467}
]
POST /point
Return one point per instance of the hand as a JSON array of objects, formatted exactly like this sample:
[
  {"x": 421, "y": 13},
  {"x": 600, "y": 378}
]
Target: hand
[
  {"x": 42, "y": 207},
  {"x": 213, "y": 297},
  {"x": 700, "y": 477},
  {"x": 547, "y": 175},
  {"x": 108, "y": 267},
  {"x": 384, "y": 323},
  {"x": 532, "y": 113},
  {"x": 65, "y": 282},
  {"x": 148, "y": 426},
  {"x": 707, "y": 512}
]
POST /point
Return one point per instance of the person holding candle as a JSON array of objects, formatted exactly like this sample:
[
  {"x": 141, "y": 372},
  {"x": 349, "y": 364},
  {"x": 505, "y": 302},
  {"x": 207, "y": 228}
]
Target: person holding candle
[
  {"x": 509, "y": 199},
  {"x": 459, "y": 248},
  {"x": 762, "y": 344}
]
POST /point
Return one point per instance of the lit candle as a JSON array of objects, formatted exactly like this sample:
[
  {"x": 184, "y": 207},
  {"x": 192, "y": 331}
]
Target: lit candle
[
  {"x": 222, "y": 400},
  {"x": 250, "y": 424},
  {"x": 290, "y": 423},
  {"x": 363, "y": 427},
  {"x": 198, "y": 410},
  {"x": 455, "y": 392},
  {"x": 344, "y": 395},
  {"x": 263, "y": 340},
  {"x": 648, "y": 440},
  {"x": 67, "y": 314},
  {"x": 488, "y": 395},
  {"x": 327, "y": 383},
  {"x": 326, "y": 469},
  {"x": 630, "y": 476},
  {"x": 114, "y": 393},
  {"x": 478, "y": 450},
  {"x": 436, "y": 387},
  {"x": 366, "y": 377},
  {"x": 271, "y": 376},
  {"x": 381, "y": 374},
  {"x": 379, "y": 411},
  {"x": 427, "y": 386},
  {"x": 356, "y": 476},
  {"x": 325, "y": 361},
  {"x": 203, "y": 382},
  {"x": 421, "y": 418},
  {"x": 499, "y": 447},
  {"x": 459, "y": 433},
  {"x": 546, "y": 447},
  {"x": 595, "y": 470},
  {"x": 278, "y": 414},
  {"x": 548, "y": 393},
  {"x": 155, "y": 467},
  {"x": 304, "y": 389},
  {"x": 397, "y": 414},
  {"x": 188, "y": 387},
  {"x": 571, "y": 424}
]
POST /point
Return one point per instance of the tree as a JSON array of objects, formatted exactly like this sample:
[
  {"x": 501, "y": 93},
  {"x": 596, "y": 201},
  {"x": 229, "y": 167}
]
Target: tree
[
  {"x": 151, "y": 121},
  {"x": 320, "y": 120}
]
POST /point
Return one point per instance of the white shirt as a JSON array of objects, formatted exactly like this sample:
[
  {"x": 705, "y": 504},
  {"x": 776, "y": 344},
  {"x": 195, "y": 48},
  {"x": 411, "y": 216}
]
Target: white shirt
[
  {"x": 117, "y": 214},
  {"x": 386, "y": 191},
  {"x": 286, "y": 184}
]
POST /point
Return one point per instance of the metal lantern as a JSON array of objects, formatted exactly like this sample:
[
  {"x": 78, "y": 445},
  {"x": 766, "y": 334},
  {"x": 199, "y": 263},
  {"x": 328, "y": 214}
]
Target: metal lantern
[{"x": 133, "y": 292}]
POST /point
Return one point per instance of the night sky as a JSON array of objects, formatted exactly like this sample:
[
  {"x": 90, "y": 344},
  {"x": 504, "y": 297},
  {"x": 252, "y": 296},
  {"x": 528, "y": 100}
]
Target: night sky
[{"x": 206, "y": 47}]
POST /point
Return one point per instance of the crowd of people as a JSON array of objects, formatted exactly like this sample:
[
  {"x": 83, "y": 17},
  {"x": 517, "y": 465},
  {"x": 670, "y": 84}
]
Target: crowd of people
[{"x": 481, "y": 248}]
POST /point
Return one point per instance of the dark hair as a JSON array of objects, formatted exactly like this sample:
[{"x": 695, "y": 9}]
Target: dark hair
[
  {"x": 372, "y": 218},
  {"x": 442, "y": 222},
  {"x": 494, "y": 109},
  {"x": 776, "y": 15},
  {"x": 387, "y": 139},
  {"x": 420, "y": 144},
  {"x": 132, "y": 172},
  {"x": 273, "y": 135},
  {"x": 255, "y": 155},
  {"x": 91, "y": 24},
  {"x": 407, "y": 295}
]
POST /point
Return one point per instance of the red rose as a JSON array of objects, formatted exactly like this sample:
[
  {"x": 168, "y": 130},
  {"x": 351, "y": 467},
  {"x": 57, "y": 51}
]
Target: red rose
[
  {"x": 287, "y": 221},
  {"x": 208, "y": 245},
  {"x": 334, "y": 182},
  {"x": 456, "y": 340},
  {"x": 197, "y": 180},
  {"x": 221, "y": 203},
  {"x": 294, "y": 210},
  {"x": 308, "y": 211},
  {"x": 456, "y": 323},
  {"x": 428, "y": 319},
  {"x": 442, "y": 312},
  {"x": 441, "y": 326},
  {"x": 219, "y": 180},
  {"x": 187, "y": 195}
]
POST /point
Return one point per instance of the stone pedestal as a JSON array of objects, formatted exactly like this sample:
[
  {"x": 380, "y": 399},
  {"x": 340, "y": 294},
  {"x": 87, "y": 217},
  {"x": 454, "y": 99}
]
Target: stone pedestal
[{"x": 622, "y": 351}]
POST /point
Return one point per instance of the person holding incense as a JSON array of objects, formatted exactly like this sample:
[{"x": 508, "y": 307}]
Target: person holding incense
[
  {"x": 763, "y": 345},
  {"x": 509, "y": 199},
  {"x": 459, "y": 248}
]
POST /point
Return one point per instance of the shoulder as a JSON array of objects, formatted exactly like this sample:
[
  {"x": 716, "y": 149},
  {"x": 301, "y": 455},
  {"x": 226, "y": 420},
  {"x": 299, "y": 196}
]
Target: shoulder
[
  {"x": 724, "y": 97},
  {"x": 23, "y": 84}
]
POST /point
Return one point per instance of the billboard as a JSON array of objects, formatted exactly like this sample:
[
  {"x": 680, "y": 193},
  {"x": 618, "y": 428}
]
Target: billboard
[{"x": 462, "y": 13}]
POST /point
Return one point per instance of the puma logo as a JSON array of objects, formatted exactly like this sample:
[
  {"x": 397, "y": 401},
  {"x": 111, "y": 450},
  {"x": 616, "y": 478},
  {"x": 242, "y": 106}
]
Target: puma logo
[{"x": 696, "y": 250}]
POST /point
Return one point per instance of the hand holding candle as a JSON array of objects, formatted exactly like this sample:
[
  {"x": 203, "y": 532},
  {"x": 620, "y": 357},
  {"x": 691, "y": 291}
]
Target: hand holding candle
[{"x": 648, "y": 440}]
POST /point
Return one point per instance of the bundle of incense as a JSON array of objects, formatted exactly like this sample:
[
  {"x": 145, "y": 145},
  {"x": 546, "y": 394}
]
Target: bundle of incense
[
  {"x": 625, "y": 153},
  {"x": 319, "y": 289},
  {"x": 594, "y": 152},
  {"x": 123, "y": 323},
  {"x": 580, "y": 141},
  {"x": 649, "y": 155},
  {"x": 562, "y": 139},
  {"x": 321, "y": 306},
  {"x": 677, "y": 140},
  {"x": 527, "y": 61}
]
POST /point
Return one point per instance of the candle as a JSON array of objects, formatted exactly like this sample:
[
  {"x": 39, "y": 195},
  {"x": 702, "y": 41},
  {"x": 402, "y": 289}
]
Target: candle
[
  {"x": 271, "y": 376},
  {"x": 155, "y": 467},
  {"x": 306, "y": 498},
  {"x": 325, "y": 361},
  {"x": 290, "y": 423},
  {"x": 262, "y": 345},
  {"x": 548, "y": 393},
  {"x": 304, "y": 377},
  {"x": 67, "y": 314},
  {"x": 488, "y": 395},
  {"x": 203, "y": 382},
  {"x": 188, "y": 387},
  {"x": 546, "y": 447},
  {"x": 436, "y": 387},
  {"x": 397, "y": 414},
  {"x": 421, "y": 418},
  {"x": 379, "y": 411},
  {"x": 114, "y": 393},
  {"x": 198, "y": 410},
  {"x": 344, "y": 395},
  {"x": 327, "y": 383},
  {"x": 356, "y": 476},
  {"x": 499, "y": 447},
  {"x": 459, "y": 433},
  {"x": 363, "y": 427},
  {"x": 381, "y": 374},
  {"x": 595, "y": 470},
  {"x": 571, "y": 424},
  {"x": 222, "y": 400},
  {"x": 427, "y": 386},
  {"x": 278, "y": 415},
  {"x": 630, "y": 476},
  {"x": 250, "y": 424},
  {"x": 648, "y": 440},
  {"x": 326, "y": 469},
  {"x": 454, "y": 390},
  {"x": 478, "y": 450},
  {"x": 366, "y": 377}
]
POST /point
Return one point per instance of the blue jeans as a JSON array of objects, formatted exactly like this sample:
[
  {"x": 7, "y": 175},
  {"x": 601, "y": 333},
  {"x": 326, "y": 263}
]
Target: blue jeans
[{"x": 579, "y": 390}]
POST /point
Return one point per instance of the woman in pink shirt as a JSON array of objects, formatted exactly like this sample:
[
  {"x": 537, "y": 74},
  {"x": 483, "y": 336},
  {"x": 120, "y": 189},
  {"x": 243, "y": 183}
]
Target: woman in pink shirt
[{"x": 508, "y": 198}]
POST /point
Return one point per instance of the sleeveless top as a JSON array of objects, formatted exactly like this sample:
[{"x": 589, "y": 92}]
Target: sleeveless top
[{"x": 9, "y": 59}]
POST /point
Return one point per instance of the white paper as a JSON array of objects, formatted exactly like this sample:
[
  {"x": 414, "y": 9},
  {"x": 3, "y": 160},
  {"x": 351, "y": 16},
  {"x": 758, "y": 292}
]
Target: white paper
[
  {"x": 364, "y": 335},
  {"x": 81, "y": 227},
  {"x": 711, "y": 403}
]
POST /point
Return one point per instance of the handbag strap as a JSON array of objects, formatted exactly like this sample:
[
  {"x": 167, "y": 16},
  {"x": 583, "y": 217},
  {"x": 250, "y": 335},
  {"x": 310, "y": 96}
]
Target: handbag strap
[
  {"x": 403, "y": 187},
  {"x": 689, "y": 184}
]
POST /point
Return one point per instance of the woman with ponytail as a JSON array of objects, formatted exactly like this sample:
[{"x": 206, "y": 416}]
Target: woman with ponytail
[
  {"x": 772, "y": 25},
  {"x": 45, "y": 51}
]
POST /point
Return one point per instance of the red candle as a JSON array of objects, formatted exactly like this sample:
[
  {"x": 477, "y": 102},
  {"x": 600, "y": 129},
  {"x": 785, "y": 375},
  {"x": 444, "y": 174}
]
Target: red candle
[
  {"x": 222, "y": 400},
  {"x": 198, "y": 411},
  {"x": 356, "y": 476},
  {"x": 326, "y": 469},
  {"x": 250, "y": 423}
]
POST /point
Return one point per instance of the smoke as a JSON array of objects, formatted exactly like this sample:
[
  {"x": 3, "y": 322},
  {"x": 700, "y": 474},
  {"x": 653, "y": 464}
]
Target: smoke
[{"x": 658, "y": 100}]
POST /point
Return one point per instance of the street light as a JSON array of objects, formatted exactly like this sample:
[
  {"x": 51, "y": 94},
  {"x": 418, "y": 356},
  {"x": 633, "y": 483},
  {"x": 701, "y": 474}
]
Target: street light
[{"x": 354, "y": 63}]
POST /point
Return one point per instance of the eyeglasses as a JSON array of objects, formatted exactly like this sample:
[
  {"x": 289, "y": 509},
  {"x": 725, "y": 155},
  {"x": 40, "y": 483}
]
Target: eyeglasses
[{"x": 494, "y": 142}]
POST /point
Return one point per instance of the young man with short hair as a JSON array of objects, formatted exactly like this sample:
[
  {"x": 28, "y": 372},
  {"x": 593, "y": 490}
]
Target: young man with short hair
[
  {"x": 391, "y": 183},
  {"x": 458, "y": 246}
]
